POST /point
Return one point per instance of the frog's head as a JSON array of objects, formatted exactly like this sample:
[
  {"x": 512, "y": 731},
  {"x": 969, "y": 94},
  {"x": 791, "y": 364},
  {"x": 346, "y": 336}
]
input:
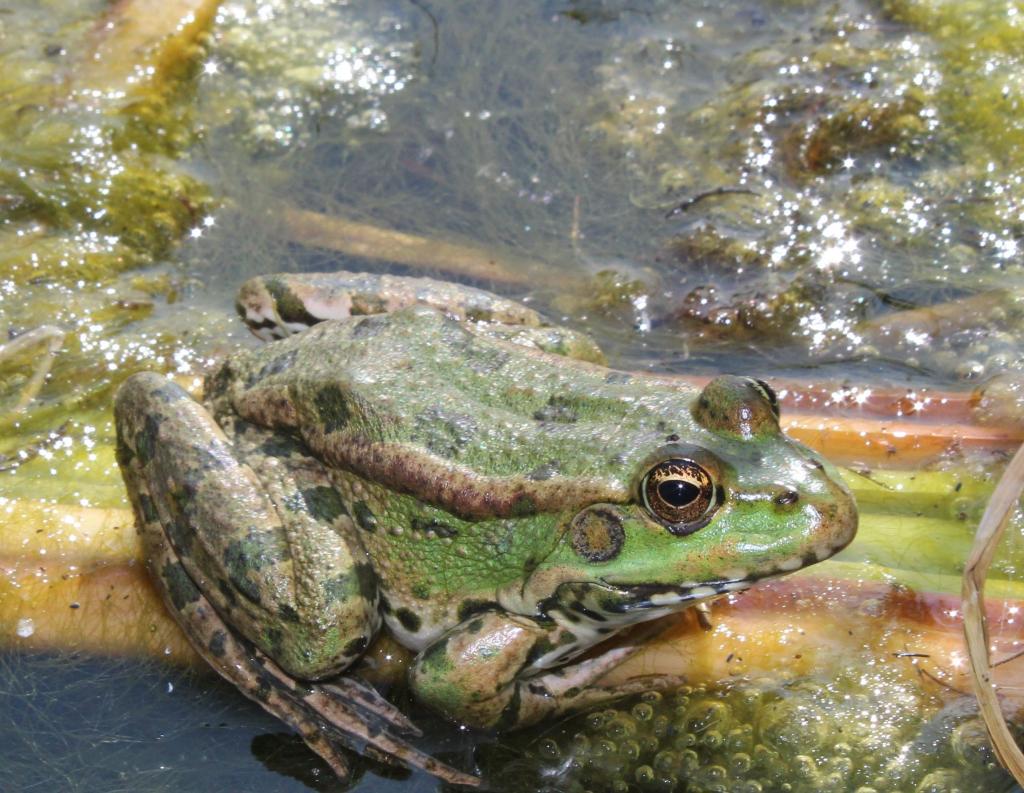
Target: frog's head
[{"x": 709, "y": 515}]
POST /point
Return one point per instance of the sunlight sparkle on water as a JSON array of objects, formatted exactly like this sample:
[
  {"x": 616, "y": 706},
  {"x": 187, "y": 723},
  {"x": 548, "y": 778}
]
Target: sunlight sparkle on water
[{"x": 25, "y": 627}]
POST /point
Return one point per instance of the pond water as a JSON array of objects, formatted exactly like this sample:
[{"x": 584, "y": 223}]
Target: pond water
[{"x": 817, "y": 192}]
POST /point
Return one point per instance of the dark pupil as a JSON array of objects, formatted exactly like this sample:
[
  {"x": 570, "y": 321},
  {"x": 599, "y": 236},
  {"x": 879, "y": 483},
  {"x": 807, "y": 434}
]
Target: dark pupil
[{"x": 678, "y": 492}]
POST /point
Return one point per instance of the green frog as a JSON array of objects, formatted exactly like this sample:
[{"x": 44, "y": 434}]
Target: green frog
[{"x": 437, "y": 459}]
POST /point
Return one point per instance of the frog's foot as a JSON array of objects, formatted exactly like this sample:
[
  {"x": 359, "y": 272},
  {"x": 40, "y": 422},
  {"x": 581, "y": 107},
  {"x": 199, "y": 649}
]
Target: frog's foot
[
  {"x": 47, "y": 338},
  {"x": 489, "y": 671},
  {"x": 275, "y": 306},
  {"x": 345, "y": 712}
]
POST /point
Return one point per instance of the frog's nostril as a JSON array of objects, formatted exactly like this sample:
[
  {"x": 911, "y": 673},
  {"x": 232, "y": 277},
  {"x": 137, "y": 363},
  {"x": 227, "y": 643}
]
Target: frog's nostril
[{"x": 787, "y": 497}]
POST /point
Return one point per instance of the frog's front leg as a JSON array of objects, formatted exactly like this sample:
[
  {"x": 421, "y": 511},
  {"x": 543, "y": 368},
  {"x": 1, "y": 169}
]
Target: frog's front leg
[
  {"x": 247, "y": 553},
  {"x": 488, "y": 671}
]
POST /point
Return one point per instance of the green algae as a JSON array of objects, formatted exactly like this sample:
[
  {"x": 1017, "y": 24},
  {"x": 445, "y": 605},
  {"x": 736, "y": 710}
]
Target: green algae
[
  {"x": 866, "y": 158},
  {"x": 88, "y": 175},
  {"x": 982, "y": 44}
]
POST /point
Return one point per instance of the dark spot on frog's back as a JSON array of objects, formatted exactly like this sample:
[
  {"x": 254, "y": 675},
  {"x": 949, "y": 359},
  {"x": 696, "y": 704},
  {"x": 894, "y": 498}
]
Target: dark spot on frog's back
[
  {"x": 221, "y": 379},
  {"x": 253, "y": 553},
  {"x": 227, "y": 592},
  {"x": 364, "y": 516},
  {"x": 366, "y": 577},
  {"x": 523, "y": 506},
  {"x": 445, "y": 432},
  {"x": 280, "y": 445},
  {"x": 558, "y": 409},
  {"x": 333, "y": 408},
  {"x": 276, "y": 365},
  {"x": 123, "y": 452},
  {"x": 169, "y": 392},
  {"x": 148, "y": 508},
  {"x": 274, "y": 638},
  {"x": 180, "y": 533},
  {"x": 336, "y": 589},
  {"x": 324, "y": 503},
  {"x": 485, "y": 360},
  {"x": 435, "y": 526},
  {"x": 409, "y": 620}
]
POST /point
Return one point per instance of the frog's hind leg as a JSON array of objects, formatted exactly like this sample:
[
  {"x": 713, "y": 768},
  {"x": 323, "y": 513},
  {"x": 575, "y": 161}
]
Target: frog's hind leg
[
  {"x": 215, "y": 544},
  {"x": 275, "y": 306},
  {"x": 324, "y": 715},
  {"x": 347, "y": 713}
]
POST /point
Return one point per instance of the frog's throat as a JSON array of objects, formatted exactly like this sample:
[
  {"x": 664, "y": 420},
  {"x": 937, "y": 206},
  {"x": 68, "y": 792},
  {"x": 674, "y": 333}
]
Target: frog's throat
[
  {"x": 591, "y": 612},
  {"x": 601, "y": 604}
]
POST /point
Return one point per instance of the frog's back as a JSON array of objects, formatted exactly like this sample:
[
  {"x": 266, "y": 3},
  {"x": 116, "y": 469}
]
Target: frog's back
[{"x": 433, "y": 385}]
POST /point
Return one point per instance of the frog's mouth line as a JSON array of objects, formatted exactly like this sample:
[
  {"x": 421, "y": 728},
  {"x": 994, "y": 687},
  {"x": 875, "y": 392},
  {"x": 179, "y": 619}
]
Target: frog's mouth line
[{"x": 654, "y": 597}]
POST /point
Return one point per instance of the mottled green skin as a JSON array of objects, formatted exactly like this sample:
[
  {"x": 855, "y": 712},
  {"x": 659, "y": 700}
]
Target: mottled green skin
[{"x": 479, "y": 495}]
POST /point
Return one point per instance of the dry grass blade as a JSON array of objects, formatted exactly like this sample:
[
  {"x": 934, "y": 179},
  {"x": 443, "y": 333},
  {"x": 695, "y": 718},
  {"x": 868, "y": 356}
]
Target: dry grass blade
[{"x": 993, "y": 522}]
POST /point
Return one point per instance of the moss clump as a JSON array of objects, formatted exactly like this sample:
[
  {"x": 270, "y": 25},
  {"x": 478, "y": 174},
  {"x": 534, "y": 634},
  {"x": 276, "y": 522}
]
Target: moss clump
[
  {"x": 88, "y": 185},
  {"x": 890, "y": 128}
]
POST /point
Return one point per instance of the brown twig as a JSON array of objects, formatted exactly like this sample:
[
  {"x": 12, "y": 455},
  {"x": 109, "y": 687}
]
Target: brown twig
[{"x": 1004, "y": 500}]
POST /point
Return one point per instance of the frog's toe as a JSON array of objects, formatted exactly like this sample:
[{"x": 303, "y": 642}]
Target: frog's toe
[
  {"x": 365, "y": 726},
  {"x": 365, "y": 697}
]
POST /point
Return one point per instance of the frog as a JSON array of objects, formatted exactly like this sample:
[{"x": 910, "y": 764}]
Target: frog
[{"x": 434, "y": 461}]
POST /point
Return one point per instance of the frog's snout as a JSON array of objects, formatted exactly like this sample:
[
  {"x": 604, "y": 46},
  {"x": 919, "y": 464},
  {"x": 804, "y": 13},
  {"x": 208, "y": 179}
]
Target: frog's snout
[
  {"x": 837, "y": 518},
  {"x": 813, "y": 513}
]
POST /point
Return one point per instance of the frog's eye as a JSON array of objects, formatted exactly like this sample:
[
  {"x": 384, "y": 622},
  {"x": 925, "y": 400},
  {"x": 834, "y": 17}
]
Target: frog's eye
[
  {"x": 680, "y": 494},
  {"x": 770, "y": 395},
  {"x": 738, "y": 407}
]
